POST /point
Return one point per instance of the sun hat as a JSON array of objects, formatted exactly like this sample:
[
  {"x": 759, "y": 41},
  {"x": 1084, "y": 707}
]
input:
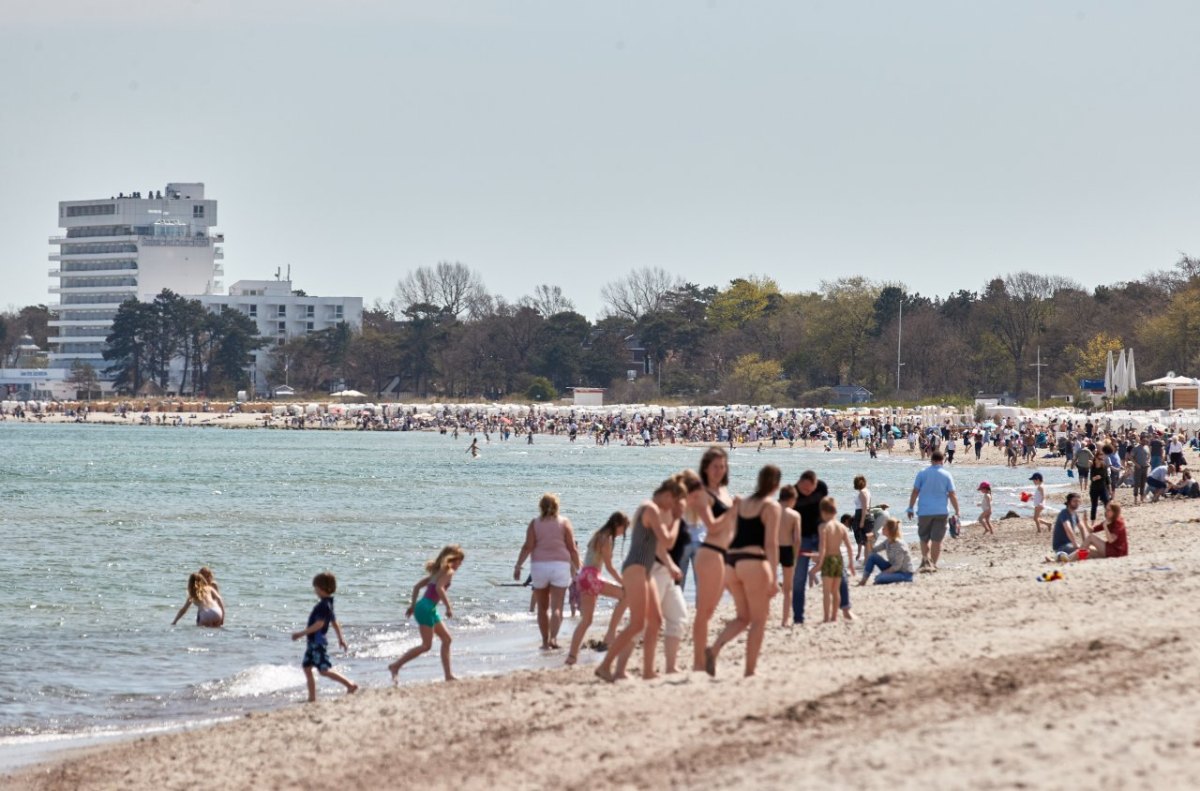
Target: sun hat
[
  {"x": 984, "y": 485},
  {"x": 1037, "y": 476}
]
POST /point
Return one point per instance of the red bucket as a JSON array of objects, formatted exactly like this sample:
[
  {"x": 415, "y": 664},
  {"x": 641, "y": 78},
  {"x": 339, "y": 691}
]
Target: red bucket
[{"x": 1083, "y": 554}]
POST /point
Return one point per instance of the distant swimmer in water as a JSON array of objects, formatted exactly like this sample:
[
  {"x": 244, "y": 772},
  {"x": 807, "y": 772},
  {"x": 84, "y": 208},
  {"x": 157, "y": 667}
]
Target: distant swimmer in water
[
  {"x": 474, "y": 448},
  {"x": 211, "y": 609}
]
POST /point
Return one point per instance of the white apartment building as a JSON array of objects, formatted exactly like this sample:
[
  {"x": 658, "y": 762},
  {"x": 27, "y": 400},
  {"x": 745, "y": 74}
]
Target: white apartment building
[
  {"x": 127, "y": 246},
  {"x": 281, "y": 314}
]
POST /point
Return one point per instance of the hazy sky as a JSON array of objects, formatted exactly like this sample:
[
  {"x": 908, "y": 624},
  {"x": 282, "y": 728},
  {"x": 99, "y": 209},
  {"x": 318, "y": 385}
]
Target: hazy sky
[{"x": 936, "y": 143}]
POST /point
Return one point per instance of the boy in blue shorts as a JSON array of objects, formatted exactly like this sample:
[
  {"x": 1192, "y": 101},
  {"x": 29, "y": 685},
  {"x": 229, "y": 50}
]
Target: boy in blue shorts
[{"x": 319, "y": 621}]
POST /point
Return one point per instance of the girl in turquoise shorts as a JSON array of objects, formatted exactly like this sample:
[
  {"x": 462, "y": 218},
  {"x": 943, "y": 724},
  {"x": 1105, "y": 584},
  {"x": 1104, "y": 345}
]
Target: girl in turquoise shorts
[{"x": 439, "y": 573}]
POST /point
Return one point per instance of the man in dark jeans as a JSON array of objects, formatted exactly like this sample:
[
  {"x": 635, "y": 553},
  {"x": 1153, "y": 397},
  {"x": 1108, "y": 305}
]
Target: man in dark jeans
[{"x": 810, "y": 492}]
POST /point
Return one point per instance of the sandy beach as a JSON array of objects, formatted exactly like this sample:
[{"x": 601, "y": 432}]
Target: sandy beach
[{"x": 980, "y": 676}]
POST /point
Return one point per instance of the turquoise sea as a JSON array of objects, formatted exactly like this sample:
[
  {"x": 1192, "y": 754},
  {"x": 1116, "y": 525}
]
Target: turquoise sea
[{"x": 103, "y": 524}]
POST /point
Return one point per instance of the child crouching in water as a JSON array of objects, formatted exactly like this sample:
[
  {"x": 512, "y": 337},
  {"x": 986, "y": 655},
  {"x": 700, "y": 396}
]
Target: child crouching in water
[
  {"x": 319, "y": 621},
  {"x": 830, "y": 563},
  {"x": 439, "y": 573}
]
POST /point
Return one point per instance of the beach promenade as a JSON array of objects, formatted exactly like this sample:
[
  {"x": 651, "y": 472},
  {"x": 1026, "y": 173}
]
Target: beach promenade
[{"x": 980, "y": 676}]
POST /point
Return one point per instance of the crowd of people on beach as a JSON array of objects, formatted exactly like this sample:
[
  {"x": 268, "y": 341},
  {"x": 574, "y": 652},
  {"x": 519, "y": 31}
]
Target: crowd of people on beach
[
  {"x": 1022, "y": 440},
  {"x": 777, "y": 540}
]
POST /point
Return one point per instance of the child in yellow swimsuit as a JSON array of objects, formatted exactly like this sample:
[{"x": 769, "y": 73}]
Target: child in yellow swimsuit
[{"x": 829, "y": 562}]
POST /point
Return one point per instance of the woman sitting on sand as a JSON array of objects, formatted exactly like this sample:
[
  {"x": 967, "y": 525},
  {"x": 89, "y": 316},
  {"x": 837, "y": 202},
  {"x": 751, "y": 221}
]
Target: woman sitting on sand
[
  {"x": 591, "y": 586},
  {"x": 210, "y": 607},
  {"x": 550, "y": 543},
  {"x": 891, "y": 558},
  {"x": 1109, "y": 540},
  {"x": 1185, "y": 487}
]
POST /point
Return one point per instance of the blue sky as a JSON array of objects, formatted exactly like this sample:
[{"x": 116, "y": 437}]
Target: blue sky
[{"x": 935, "y": 143}]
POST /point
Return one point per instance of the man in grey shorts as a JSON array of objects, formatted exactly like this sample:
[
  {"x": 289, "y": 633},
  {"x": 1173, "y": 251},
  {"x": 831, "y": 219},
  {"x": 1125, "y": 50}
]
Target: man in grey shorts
[{"x": 932, "y": 491}]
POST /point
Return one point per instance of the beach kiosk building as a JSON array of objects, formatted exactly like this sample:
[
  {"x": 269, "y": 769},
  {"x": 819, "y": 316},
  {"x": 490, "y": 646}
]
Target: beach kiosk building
[{"x": 852, "y": 394}]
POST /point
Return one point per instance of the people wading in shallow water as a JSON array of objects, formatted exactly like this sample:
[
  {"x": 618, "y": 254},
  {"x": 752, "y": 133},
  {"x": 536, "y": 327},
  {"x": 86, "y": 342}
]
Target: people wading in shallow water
[
  {"x": 550, "y": 543},
  {"x": 439, "y": 572}
]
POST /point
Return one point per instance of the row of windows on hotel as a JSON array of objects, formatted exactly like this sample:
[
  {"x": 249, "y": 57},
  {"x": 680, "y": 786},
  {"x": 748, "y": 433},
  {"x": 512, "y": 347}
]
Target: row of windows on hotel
[
  {"x": 99, "y": 209},
  {"x": 281, "y": 311}
]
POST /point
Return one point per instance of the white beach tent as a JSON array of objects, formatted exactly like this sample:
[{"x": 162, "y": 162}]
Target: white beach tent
[
  {"x": 1110, "y": 384},
  {"x": 347, "y": 394},
  {"x": 1131, "y": 373},
  {"x": 1120, "y": 377}
]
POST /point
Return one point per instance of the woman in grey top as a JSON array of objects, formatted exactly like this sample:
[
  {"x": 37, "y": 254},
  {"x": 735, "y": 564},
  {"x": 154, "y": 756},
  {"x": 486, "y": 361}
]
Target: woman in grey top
[
  {"x": 891, "y": 558},
  {"x": 655, "y": 524}
]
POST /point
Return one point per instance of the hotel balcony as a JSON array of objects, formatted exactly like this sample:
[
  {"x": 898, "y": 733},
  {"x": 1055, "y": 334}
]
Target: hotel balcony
[
  {"x": 125, "y": 237},
  {"x": 85, "y": 273},
  {"x": 100, "y": 325},
  {"x": 93, "y": 290},
  {"x": 218, "y": 254},
  {"x": 219, "y": 270},
  {"x": 91, "y": 256},
  {"x": 78, "y": 339},
  {"x": 113, "y": 305},
  {"x": 174, "y": 241},
  {"x": 54, "y": 356}
]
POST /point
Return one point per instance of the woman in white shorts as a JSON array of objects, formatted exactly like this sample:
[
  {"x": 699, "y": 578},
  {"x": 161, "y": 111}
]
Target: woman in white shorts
[{"x": 550, "y": 545}]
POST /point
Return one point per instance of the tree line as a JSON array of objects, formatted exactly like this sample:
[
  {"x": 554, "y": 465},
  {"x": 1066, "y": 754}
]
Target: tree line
[
  {"x": 443, "y": 335},
  {"x": 748, "y": 341}
]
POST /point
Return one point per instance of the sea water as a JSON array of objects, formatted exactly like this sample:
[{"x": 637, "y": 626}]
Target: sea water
[{"x": 103, "y": 524}]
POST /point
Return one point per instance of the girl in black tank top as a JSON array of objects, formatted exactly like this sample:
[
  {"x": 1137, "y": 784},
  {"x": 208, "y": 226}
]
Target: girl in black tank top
[{"x": 749, "y": 540}]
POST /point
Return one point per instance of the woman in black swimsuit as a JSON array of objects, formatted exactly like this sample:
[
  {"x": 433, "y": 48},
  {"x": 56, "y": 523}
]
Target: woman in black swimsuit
[
  {"x": 717, "y": 515},
  {"x": 753, "y": 563}
]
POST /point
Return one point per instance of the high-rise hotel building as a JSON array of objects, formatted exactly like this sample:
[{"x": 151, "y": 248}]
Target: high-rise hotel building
[{"x": 127, "y": 246}]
